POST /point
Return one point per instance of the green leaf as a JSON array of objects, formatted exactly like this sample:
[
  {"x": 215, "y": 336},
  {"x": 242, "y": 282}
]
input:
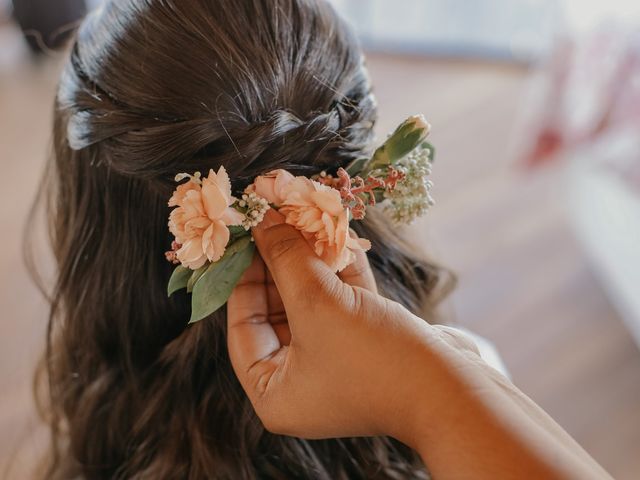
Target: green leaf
[
  {"x": 213, "y": 288},
  {"x": 357, "y": 166},
  {"x": 178, "y": 280},
  {"x": 237, "y": 231},
  {"x": 195, "y": 276}
]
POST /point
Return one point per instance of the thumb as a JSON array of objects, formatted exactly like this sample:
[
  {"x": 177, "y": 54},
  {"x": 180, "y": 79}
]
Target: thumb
[{"x": 299, "y": 274}]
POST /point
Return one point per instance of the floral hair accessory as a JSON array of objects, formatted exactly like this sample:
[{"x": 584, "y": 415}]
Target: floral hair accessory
[{"x": 213, "y": 244}]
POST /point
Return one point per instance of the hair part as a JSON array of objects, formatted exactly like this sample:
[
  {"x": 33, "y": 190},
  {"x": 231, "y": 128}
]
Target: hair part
[{"x": 153, "y": 88}]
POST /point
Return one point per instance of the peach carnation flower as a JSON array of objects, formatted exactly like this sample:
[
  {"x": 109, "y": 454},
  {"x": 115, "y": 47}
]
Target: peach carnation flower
[
  {"x": 317, "y": 211},
  {"x": 271, "y": 186},
  {"x": 200, "y": 221}
]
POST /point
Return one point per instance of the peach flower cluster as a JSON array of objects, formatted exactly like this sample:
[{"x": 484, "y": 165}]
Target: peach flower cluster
[
  {"x": 205, "y": 209},
  {"x": 317, "y": 211},
  {"x": 201, "y": 221}
]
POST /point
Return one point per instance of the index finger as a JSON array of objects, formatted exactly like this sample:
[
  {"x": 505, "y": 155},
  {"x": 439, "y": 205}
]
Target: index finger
[
  {"x": 251, "y": 338},
  {"x": 295, "y": 267}
]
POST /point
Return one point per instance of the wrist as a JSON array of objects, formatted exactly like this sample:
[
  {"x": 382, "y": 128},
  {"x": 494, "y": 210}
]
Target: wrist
[
  {"x": 460, "y": 413},
  {"x": 468, "y": 421},
  {"x": 440, "y": 396},
  {"x": 435, "y": 394},
  {"x": 425, "y": 391}
]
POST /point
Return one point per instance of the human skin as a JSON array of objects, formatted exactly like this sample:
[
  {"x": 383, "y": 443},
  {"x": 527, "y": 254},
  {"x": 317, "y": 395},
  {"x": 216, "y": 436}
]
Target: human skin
[{"x": 322, "y": 355}]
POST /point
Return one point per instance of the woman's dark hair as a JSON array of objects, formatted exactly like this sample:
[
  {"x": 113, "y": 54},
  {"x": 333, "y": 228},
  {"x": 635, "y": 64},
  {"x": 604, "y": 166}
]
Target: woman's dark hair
[{"x": 157, "y": 87}]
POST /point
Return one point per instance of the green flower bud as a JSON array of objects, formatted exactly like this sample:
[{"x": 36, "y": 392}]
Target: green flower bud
[{"x": 407, "y": 137}]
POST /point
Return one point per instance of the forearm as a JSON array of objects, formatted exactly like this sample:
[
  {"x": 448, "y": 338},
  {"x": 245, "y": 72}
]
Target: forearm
[{"x": 471, "y": 422}]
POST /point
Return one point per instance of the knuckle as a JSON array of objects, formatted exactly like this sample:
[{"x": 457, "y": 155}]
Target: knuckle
[
  {"x": 466, "y": 343},
  {"x": 458, "y": 339},
  {"x": 283, "y": 246},
  {"x": 364, "y": 304},
  {"x": 363, "y": 308},
  {"x": 264, "y": 411},
  {"x": 271, "y": 424},
  {"x": 275, "y": 423}
]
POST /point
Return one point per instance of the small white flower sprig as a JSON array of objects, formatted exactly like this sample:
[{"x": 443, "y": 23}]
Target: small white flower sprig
[
  {"x": 213, "y": 245},
  {"x": 411, "y": 198},
  {"x": 254, "y": 207}
]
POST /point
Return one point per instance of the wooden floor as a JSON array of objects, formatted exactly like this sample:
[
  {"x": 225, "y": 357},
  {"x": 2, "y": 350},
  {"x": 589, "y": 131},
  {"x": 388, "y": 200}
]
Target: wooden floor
[{"x": 524, "y": 282}]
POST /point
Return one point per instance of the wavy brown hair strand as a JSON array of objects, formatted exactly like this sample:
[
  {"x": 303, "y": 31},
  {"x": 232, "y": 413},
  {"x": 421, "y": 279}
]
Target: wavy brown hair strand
[{"x": 157, "y": 87}]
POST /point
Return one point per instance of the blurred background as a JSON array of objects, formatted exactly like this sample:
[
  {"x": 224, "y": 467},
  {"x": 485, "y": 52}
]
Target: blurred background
[{"x": 535, "y": 106}]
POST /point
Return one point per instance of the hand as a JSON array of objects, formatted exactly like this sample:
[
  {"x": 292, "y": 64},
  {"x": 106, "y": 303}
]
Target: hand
[
  {"x": 320, "y": 355},
  {"x": 323, "y": 356}
]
